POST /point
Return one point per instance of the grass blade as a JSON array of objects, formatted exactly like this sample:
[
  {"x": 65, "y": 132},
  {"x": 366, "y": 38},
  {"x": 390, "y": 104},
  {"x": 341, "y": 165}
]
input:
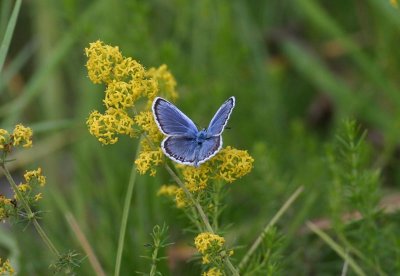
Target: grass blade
[
  {"x": 337, "y": 248},
  {"x": 5, "y": 44}
]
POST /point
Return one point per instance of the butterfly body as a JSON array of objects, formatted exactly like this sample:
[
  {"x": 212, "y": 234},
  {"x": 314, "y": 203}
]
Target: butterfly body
[{"x": 184, "y": 143}]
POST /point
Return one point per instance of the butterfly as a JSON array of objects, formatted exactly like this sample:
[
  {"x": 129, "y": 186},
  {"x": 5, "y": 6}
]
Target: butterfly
[{"x": 184, "y": 143}]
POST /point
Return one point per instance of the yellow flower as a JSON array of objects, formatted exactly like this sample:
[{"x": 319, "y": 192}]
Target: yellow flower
[
  {"x": 21, "y": 135},
  {"x": 38, "y": 197},
  {"x": 128, "y": 69},
  {"x": 106, "y": 126},
  {"x": 145, "y": 120},
  {"x": 119, "y": 94},
  {"x": 394, "y": 3},
  {"x": 209, "y": 245},
  {"x": 232, "y": 163},
  {"x": 148, "y": 160},
  {"x": 180, "y": 199},
  {"x": 4, "y": 138},
  {"x": 6, "y": 268},
  {"x": 35, "y": 175},
  {"x": 213, "y": 272},
  {"x": 101, "y": 61},
  {"x": 24, "y": 187},
  {"x": 5, "y": 207},
  {"x": 196, "y": 178},
  {"x": 166, "y": 82},
  {"x": 167, "y": 190}
]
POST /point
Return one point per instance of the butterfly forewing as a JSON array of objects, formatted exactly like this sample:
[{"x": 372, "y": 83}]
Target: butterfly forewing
[
  {"x": 171, "y": 120},
  {"x": 221, "y": 117},
  {"x": 180, "y": 149}
]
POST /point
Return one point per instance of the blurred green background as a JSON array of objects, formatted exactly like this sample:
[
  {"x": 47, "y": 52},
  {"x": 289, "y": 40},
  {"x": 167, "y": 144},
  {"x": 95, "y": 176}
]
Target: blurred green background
[{"x": 297, "y": 70}]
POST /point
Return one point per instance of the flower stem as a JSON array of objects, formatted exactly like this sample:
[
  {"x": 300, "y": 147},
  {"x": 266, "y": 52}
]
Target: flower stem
[
  {"x": 203, "y": 216},
  {"x": 277, "y": 216},
  {"x": 125, "y": 214},
  {"x": 29, "y": 212}
]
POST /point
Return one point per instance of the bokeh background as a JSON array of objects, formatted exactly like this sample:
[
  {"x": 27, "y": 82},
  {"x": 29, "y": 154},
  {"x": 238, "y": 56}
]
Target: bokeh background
[{"x": 297, "y": 70}]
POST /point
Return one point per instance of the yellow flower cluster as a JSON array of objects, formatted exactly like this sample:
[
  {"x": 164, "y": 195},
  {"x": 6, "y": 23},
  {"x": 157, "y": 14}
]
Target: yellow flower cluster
[
  {"x": 166, "y": 81},
  {"x": 175, "y": 192},
  {"x": 20, "y": 136},
  {"x": 167, "y": 190},
  {"x": 180, "y": 199},
  {"x": 33, "y": 180},
  {"x": 213, "y": 272},
  {"x": 106, "y": 126},
  {"x": 126, "y": 82},
  {"x": 6, "y": 208},
  {"x": 233, "y": 164},
  {"x": 228, "y": 165},
  {"x": 35, "y": 177},
  {"x": 4, "y": 138},
  {"x": 6, "y": 268},
  {"x": 148, "y": 160},
  {"x": 209, "y": 245}
]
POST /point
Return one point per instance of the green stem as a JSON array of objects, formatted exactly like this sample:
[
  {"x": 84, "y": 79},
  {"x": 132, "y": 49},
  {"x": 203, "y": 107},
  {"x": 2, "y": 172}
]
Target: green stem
[
  {"x": 200, "y": 210},
  {"x": 277, "y": 216},
  {"x": 201, "y": 213},
  {"x": 125, "y": 214},
  {"x": 216, "y": 200},
  {"x": 153, "y": 269},
  {"x": 29, "y": 212}
]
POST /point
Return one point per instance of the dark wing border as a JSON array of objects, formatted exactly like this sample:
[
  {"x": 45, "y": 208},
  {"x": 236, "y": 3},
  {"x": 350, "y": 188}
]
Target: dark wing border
[{"x": 227, "y": 118}]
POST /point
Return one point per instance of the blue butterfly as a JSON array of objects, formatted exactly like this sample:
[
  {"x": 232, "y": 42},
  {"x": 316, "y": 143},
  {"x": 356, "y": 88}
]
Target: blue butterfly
[{"x": 184, "y": 143}]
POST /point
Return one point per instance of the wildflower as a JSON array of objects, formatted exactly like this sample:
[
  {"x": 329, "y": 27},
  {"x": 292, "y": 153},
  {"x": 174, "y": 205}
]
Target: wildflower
[
  {"x": 35, "y": 177},
  {"x": 21, "y": 135},
  {"x": 148, "y": 159},
  {"x": 106, "y": 126},
  {"x": 233, "y": 163},
  {"x": 181, "y": 199},
  {"x": 101, "y": 61},
  {"x": 209, "y": 245},
  {"x": 166, "y": 81},
  {"x": 4, "y": 138},
  {"x": 24, "y": 187},
  {"x": 213, "y": 272},
  {"x": 6, "y": 207},
  {"x": 38, "y": 197},
  {"x": 167, "y": 190},
  {"x": 145, "y": 120},
  {"x": 196, "y": 178},
  {"x": 6, "y": 268}
]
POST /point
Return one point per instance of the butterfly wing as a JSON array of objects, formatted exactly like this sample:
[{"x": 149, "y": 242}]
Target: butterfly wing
[
  {"x": 209, "y": 148},
  {"x": 221, "y": 117},
  {"x": 181, "y": 149},
  {"x": 172, "y": 121}
]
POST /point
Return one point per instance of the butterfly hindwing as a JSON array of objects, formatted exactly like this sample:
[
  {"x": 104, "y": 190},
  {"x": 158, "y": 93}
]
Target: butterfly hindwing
[
  {"x": 209, "y": 148},
  {"x": 171, "y": 120},
  {"x": 221, "y": 117},
  {"x": 180, "y": 149}
]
